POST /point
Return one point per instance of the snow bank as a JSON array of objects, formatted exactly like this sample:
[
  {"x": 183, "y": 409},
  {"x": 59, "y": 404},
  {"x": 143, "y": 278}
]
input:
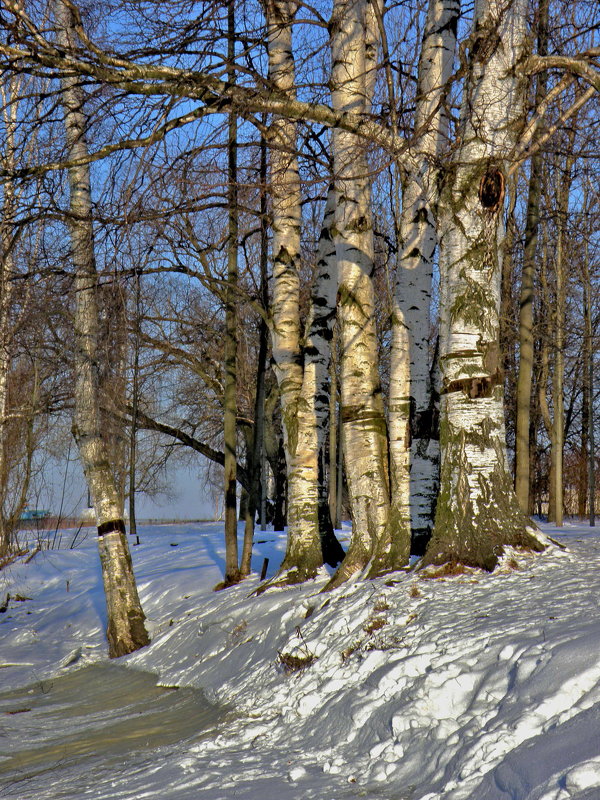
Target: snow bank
[{"x": 466, "y": 687}]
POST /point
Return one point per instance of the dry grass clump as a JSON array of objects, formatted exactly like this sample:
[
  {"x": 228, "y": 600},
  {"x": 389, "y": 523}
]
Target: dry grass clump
[
  {"x": 374, "y": 624},
  {"x": 292, "y": 663},
  {"x": 451, "y": 569}
]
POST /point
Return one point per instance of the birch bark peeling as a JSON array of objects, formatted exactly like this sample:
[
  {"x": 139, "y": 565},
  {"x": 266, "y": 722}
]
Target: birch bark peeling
[
  {"x": 477, "y": 511},
  {"x": 126, "y": 631}
]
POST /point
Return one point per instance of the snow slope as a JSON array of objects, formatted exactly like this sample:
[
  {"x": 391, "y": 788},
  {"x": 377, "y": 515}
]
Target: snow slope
[{"x": 464, "y": 687}]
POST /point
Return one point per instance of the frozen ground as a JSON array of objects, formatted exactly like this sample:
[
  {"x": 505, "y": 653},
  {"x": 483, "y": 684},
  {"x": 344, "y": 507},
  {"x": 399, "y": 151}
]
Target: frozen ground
[{"x": 471, "y": 687}]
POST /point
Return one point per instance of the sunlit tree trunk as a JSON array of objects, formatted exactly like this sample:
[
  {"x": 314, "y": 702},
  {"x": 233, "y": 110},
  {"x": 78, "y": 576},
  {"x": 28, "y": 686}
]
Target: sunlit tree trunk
[
  {"x": 297, "y": 382},
  {"x": 353, "y": 53},
  {"x": 477, "y": 511},
  {"x": 414, "y": 448},
  {"x": 126, "y": 630}
]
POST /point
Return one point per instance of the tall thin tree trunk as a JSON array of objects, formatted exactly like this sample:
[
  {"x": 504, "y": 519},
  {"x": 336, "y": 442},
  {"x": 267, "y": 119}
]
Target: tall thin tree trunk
[
  {"x": 126, "y": 630},
  {"x": 414, "y": 447},
  {"x": 582, "y": 487},
  {"x": 558, "y": 423},
  {"x": 587, "y": 440},
  {"x": 232, "y": 573},
  {"x": 592, "y": 438},
  {"x": 544, "y": 372},
  {"x": 477, "y": 511},
  {"x": 256, "y": 471},
  {"x": 9, "y": 112},
  {"x": 582, "y": 484},
  {"x": 134, "y": 412},
  {"x": 526, "y": 344}
]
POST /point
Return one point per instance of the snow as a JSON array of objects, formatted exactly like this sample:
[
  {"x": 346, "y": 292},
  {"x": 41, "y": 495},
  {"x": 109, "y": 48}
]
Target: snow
[{"x": 462, "y": 687}]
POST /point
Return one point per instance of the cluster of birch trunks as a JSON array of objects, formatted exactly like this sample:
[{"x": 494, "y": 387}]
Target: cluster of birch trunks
[{"x": 426, "y": 465}]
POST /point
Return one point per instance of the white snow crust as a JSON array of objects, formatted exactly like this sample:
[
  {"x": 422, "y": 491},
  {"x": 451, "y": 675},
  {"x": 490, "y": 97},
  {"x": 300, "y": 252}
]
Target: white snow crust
[{"x": 408, "y": 687}]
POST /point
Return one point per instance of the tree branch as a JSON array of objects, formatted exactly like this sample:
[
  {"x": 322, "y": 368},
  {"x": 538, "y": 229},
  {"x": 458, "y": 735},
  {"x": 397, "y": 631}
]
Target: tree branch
[{"x": 150, "y": 424}]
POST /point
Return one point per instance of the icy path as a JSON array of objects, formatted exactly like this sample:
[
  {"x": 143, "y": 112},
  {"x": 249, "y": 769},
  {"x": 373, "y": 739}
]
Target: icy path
[{"x": 95, "y": 721}]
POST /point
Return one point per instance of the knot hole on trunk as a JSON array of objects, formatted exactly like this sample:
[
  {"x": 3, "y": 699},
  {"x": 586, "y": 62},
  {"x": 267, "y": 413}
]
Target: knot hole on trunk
[{"x": 491, "y": 189}]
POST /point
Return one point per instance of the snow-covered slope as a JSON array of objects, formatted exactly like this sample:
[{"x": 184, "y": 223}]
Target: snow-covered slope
[{"x": 458, "y": 687}]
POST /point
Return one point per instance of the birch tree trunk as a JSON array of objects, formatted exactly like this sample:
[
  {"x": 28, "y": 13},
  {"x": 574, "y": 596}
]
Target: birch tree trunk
[
  {"x": 317, "y": 367},
  {"x": 126, "y": 630},
  {"x": 414, "y": 448},
  {"x": 297, "y": 382},
  {"x": 477, "y": 511},
  {"x": 374, "y": 544}
]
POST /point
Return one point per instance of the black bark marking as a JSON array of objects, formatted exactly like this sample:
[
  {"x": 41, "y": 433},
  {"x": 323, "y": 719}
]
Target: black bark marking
[
  {"x": 481, "y": 386},
  {"x": 113, "y": 526}
]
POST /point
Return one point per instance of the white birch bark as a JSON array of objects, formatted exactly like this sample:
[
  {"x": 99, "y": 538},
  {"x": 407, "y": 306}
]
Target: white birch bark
[
  {"x": 414, "y": 452},
  {"x": 317, "y": 362},
  {"x": 126, "y": 631},
  {"x": 477, "y": 512},
  {"x": 297, "y": 385},
  {"x": 353, "y": 52}
]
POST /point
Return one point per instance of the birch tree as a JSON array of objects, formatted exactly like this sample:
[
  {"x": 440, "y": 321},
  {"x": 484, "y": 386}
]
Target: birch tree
[
  {"x": 374, "y": 545},
  {"x": 301, "y": 367},
  {"x": 126, "y": 631},
  {"x": 414, "y": 449},
  {"x": 477, "y": 511}
]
